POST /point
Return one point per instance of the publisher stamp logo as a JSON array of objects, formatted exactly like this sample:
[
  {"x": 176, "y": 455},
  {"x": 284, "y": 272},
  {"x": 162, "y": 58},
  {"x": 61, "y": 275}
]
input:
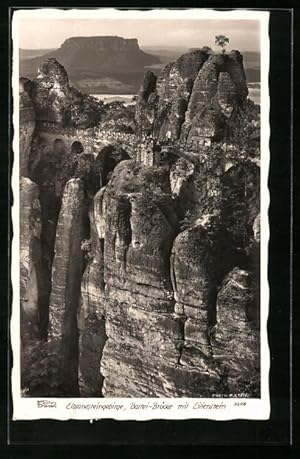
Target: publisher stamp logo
[{"x": 45, "y": 404}]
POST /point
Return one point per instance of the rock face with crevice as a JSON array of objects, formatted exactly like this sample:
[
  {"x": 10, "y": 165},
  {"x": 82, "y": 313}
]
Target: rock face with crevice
[
  {"x": 193, "y": 98},
  {"x": 103, "y": 63},
  {"x": 162, "y": 102},
  {"x": 31, "y": 271},
  {"x": 27, "y": 126},
  {"x": 219, "y": 89},
  {"x": 235, "y": 342},
  {"x": 91, "y": 313},
  {"x": 56, "y": 101},
  {"x": 140, "y": 228}
]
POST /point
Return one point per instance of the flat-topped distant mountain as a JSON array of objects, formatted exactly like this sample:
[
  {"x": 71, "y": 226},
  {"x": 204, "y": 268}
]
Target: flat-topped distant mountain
[{"x": 94, "y": 63}]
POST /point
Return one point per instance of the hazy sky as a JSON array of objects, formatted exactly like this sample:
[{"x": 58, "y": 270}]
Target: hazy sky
[{"x": 51, "y": 33}]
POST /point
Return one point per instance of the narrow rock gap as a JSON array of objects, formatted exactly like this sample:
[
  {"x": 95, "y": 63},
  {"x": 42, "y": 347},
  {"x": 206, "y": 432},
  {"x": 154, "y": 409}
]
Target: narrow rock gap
[
  {"x": 182, "y": 320},
  {"x": 102, "y": 331},
  {"x": 73, "y": 285}
]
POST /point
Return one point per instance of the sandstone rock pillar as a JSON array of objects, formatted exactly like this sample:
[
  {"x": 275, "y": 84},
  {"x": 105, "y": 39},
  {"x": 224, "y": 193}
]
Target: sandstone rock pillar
[
  {"x": 30, "y": 257},
  {"x": 66, "y": 277}
]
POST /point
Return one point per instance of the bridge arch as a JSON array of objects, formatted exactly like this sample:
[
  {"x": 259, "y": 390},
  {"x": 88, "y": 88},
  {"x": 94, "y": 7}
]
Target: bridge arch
[{"x": 107, "y": 159}]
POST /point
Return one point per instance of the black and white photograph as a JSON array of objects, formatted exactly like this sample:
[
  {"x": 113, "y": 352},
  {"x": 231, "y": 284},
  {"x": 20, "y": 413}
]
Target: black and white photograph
[{"x": 140, "y": 216}]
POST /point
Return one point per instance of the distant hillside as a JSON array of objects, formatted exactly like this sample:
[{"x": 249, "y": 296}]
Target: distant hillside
[
  {"x": 252, "y": 59},
  {"x": 31, "y": 53},
  {"x": 100, "y": 59},
  {"x": 166, "y": 54}
]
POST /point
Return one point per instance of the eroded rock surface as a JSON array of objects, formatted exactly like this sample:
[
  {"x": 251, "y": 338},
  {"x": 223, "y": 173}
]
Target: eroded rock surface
[
  {"x": 56, "y": 101},
  {"x": 31, "y": 269},
  {"x": 27, "y": 126},
  {"x": 96, "y": 63},
  {"x": 139, "y": 231},
  {"x": 235, "y": 340},
  {"x": 91, "y": 314},
  {"x": 146, "y": 105},
  {"x": 193, "y": 98},
  {"x": 162, "y": 103}
]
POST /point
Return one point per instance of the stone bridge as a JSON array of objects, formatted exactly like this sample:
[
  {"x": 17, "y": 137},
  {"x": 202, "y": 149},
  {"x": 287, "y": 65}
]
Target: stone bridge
[
  {"x": 129, "y": 142},
  {"x": 93, "y": 140}
]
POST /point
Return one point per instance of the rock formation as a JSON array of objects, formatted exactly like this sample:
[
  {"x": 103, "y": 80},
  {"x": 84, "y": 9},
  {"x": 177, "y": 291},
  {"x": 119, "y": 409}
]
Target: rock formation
[
  {"x": 67, "y": 271},
  {"x": 150, "y": 228},
  {"x": 91, "y": 313},
  {"x": 169, "y": 94},
  {"x": 31, "y": 269},
  {"x": 98, "y": 64},
  {"x": 146, "y": 104},
  {"x": 56, "y": 101},
  {"x": 193, "y": 97},
  {"x": 27, "y": 125}
]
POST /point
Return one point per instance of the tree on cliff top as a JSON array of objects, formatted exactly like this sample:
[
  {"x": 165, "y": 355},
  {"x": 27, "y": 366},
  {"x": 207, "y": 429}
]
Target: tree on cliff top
[{"x": 222, "y": 41}]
